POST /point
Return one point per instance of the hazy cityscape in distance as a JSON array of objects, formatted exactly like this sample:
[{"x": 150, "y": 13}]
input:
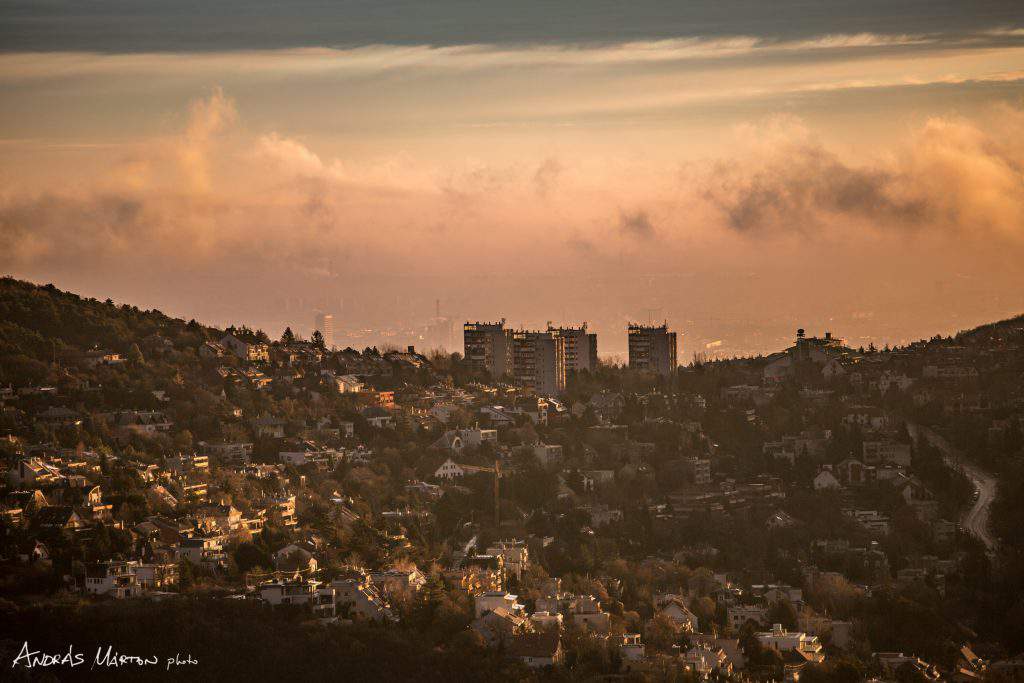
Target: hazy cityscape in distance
[{"x": 721, "y": 315}]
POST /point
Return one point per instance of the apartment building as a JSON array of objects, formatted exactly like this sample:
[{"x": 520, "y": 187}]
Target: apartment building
[
  {"x": 538, "y": 361},
  {"x": 580, "y": 347},
  {"x": 652, "y": 348},
  {"x": 485, "y": 347}
]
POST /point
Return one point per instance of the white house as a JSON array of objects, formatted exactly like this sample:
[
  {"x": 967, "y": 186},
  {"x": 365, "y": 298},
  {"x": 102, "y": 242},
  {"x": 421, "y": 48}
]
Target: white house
[
  {"x": 683, "y": 619},
  {"x": 826, "y": 480},
  {"x": 249, "y": 351},
  {"x": 450, "y": 469},
  {"x": 492, "y": 600},
  {"x": 781, "y": 640}
]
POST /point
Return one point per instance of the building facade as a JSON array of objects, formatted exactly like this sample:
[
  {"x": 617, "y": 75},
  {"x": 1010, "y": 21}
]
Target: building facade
[
  {"x": 652, "y": 348},
  {"x": 580, "y": 347},
  {"x": 538, "y": 361},
  {"x": 324, "y": 323},
  {"x": 485, "y": 347}
]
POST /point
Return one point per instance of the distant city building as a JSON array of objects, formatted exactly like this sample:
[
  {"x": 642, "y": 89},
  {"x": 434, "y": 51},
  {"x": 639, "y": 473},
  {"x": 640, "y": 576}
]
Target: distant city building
[
  {"x": 538, "y": 361},
  {"x": 486, "y": 347},
  {"x": 652, "y": 348},
  {"x": 438, "y": 333},
  {"x": 324, "y": 322},
  {"x": 580, "y": 347}
]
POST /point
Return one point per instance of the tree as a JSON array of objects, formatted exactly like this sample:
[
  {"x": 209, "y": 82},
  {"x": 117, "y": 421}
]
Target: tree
[
  {"x": 783, "y": 612},
  {"x": 288, "y": 337},
  {"x": 186, "y": 575},
  {"x": 660, "y": 633},
  {"x": 135, "y": 355},
  {"x": 318, "y": 340},
  {"x": 249, "y": 556}
]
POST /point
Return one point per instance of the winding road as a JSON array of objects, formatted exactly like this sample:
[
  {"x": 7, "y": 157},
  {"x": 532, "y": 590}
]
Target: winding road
[{"x": 975, "y": 519}]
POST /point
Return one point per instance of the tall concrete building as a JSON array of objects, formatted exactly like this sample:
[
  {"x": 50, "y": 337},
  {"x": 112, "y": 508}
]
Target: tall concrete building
[
  {"x": 538, "y": 361},
  {"x": 580, "y": 347},
  {"x": 652, "y": 348},
  {"x": 324, "y": 323},
  {"x": 486, "y": 347}
]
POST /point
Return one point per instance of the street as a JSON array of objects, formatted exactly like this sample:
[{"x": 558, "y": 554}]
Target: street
[{"x": 975, "y": 520}]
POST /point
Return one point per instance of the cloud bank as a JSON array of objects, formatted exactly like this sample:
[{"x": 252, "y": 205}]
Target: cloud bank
[{"x": 219, "y": 200}]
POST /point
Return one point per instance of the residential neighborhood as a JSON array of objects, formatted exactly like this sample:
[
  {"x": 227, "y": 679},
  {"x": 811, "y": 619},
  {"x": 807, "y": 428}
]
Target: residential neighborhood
[{"x": 796, "y": 516}]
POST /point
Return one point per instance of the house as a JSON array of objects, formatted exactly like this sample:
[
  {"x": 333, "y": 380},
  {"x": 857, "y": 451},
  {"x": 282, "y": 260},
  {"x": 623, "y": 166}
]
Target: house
[
  {"x": 891, "y": 662},
  {"x": 825, "y": 480},
  {"x": 586, "y": 611},
  {"x": 607, "y": 406},
  {"x": 156, "y": 575},
  {"x": 206, "y": 551},
  {"x": 777, "y": 369},
  {"x": 396, "y": 581},
  {"x": 496, "y": 416},
  {"x": 544, "y": 620},
  {"x": 450, "y": 470},
  {"x": 211, "y": 350},
  {"x": 358, "y": 598},
  {"x": 601, "y": 514},
  {"x": 730, "y": 646},
  {"x": 443, "y": 412},
  {"x": 704, "y": 659},
  {"x": 514, "y": 554},
  {"x": 306, "y": 592},
  {"x": 547, "y": 454},
  {"x": 160, "y": 498},
  {"x": 537, "y": 650},
  {"x": 739, "y": 615},
  {"x": 457, "y": 439},
  {"x": 250, "y": 350},
  {"x": 238, "y": 452},
  {"x": 142, "y": 422},
  {"x": 34, "y": 472},
  {"x": 673, "y": 607},
  {"x": 631, "y": 648},
  {"x": 348, "y": 384},
  {"x": 268, "y": 426},
  {"x": 299, "y": 453},
  {"x": 378, "y": 418},
  {"x": 59, "y": 416},
  {"x": 853, "y": 472},
  {"x": 182, "y": 465},
  {"x": 877, "y": 452},
  {"x": 500, "y": 626},
  {"x": 493, "y": 600},
  {"x": 116, "y": 579},
  {"x": 283, "y": 507},
  {"x": 60, "y": 518},
  {"x": 780, "y": 519},
  {"x": 782, "y": 641}
]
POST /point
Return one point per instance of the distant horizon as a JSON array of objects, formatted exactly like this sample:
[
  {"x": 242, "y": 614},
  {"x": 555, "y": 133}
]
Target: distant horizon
[{"x": 686, "y": 355}]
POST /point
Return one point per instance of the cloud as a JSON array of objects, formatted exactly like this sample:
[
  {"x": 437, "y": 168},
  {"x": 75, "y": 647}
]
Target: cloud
[
  {"x": 951, "y": 176},
  {"x": 636, "y": 224},
  {"x": 213, "y": 192},
  {"x": 546, "y": 177}
]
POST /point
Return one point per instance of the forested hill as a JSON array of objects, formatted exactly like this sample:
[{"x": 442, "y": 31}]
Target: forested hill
[{"x": 42, "y": 324}]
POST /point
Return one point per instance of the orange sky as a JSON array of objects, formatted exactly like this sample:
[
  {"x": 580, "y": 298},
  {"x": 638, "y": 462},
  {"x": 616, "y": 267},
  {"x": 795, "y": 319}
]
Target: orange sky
[{"x": 670, "y": 171}]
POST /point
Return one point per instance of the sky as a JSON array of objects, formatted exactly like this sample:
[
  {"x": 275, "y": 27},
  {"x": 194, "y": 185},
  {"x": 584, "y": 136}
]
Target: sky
[{"x": 737, "y": 168}]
